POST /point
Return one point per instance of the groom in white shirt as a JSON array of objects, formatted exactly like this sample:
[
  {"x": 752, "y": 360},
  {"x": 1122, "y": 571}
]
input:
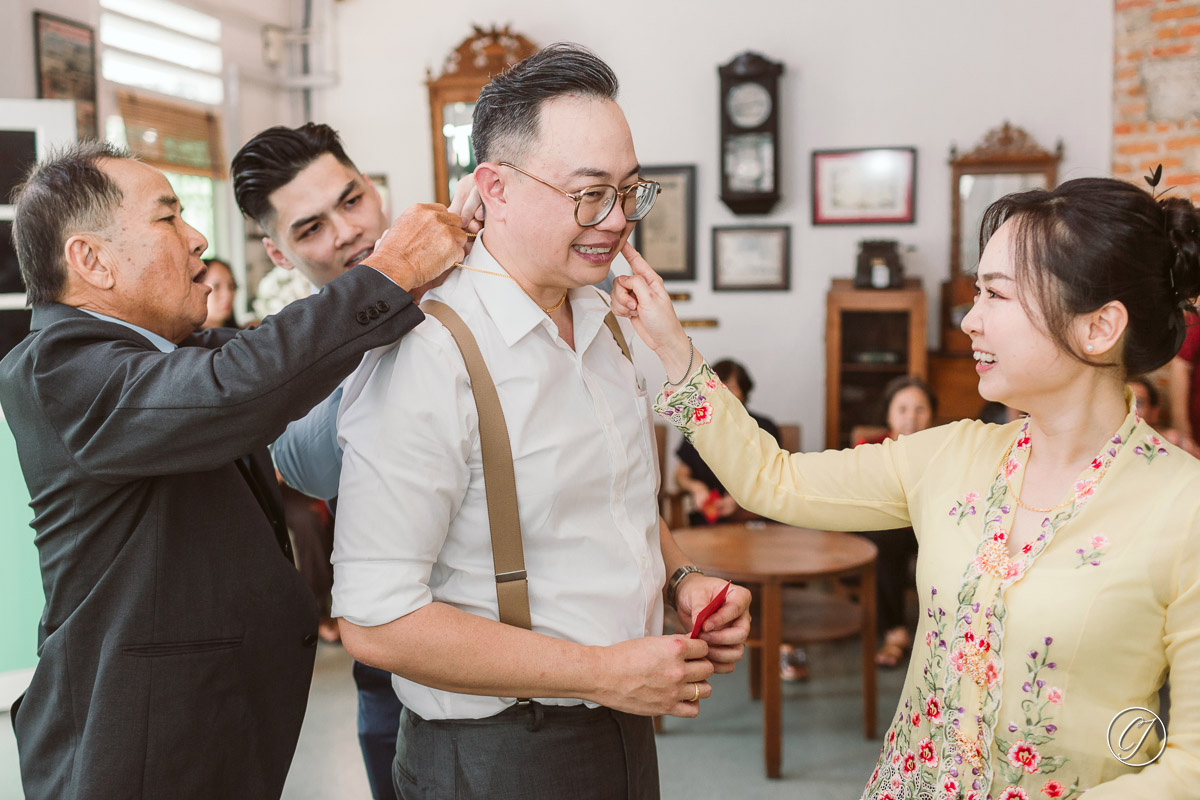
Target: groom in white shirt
[{"x": 414, "y": 583}]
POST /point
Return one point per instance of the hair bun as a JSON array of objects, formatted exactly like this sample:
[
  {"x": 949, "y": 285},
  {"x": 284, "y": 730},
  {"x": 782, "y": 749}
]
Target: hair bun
[{"x": 1182, "y": 224}]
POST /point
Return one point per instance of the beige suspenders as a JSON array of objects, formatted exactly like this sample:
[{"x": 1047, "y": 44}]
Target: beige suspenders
[{"x": 508, "y": 557}]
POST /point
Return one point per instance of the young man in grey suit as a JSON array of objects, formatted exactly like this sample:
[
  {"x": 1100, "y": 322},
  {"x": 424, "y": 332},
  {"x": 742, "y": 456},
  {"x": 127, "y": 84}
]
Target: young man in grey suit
[{"x": 177, "y": 643}]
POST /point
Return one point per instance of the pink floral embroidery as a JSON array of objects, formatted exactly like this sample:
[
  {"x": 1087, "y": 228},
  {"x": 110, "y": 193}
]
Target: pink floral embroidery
[
  {"x": 1084, "y": 489},
  {"x": 1054, "y": 695},
  {"x": 933, "y": 710},
  {"x": 711, "y": 385},
  {"x": 991, "y": 672},
  {"x": 702, "y": 415},
  {"x": 1098, "y": 544},
  {"x": 1011, "y": 466},
  {"x": 1053, "y": 789},
  {"x": 910, "y": 762},
  {"x": 1014, "y": 793},
  {"x": 964, "y": 508},
  {"x": 1151, "y": 449},
  {"x": 1024, "y": 755},
  {"x": 950, "y": 787},
  {"x": 1023, "y": 441},
  {"x": 916, "y": 719},
  {"x": 927, "y": 753}
]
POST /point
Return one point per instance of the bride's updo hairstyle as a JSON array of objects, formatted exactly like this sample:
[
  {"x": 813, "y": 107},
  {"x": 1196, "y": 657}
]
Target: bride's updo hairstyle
[{"x": 1095, "y": 240}]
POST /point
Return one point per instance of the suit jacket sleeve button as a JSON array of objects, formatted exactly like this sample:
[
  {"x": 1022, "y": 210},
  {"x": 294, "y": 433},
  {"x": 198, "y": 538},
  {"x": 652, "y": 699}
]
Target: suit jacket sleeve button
[
  {"x": 372, "y": 312},
  {"x": 362, "y": 318},
  {"x": 382, "y": 306},
  {"x": 310, "y": 640}
]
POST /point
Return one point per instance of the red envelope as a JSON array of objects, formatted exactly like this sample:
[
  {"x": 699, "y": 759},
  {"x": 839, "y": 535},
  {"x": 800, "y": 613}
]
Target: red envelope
[{"x": 708, "y": 610}]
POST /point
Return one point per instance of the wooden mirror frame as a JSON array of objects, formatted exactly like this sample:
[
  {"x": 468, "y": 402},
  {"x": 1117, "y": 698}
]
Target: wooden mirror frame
[
  {"x": 467, "y": 70},
  {"x": 1007, "y": 150}
]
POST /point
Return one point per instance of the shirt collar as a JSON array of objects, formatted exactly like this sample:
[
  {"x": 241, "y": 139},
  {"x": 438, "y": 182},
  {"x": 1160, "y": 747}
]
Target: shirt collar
[
  {"x": 514, "y": 312},
  {"x": 161, "y": 343}
]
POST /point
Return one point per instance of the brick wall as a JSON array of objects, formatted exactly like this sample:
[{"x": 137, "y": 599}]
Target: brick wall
[{"x": 1156, "y": 92}]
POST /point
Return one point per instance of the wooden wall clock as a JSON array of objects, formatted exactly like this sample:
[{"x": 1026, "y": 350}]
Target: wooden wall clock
[{"x": 750, "y": 133}]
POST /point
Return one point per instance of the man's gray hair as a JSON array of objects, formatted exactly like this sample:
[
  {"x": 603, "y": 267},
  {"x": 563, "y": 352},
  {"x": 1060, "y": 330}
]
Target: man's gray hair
[
  {"x": 505, "y": 122},
  {"x": 65, "y": 194}
]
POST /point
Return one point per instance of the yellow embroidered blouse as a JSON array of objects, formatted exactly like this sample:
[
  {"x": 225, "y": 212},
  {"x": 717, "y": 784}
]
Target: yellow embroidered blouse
[{"x": 1022, "y": 669}]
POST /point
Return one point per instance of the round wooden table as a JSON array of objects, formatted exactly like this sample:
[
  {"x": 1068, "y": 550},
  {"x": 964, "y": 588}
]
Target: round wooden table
[{"x": 766, "y": 557}]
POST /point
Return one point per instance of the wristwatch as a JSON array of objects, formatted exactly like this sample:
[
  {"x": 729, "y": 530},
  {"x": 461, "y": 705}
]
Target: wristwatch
[{"x": 677, "y": 578}]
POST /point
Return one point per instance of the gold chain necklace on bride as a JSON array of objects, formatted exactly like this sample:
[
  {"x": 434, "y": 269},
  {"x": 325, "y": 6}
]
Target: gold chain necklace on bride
[
  {"x": 549, "y": 310},
  {"x": 1016, "y": 497}
]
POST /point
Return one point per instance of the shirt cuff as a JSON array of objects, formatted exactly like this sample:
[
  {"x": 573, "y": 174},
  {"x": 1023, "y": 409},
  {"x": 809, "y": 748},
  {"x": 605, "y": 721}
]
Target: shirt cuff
[
  {"x": 687, "y": 407},
  {"x": 370, "y": 593}
]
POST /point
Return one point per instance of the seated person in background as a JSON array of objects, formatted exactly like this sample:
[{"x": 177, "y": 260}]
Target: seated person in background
[
  {"x": 220, "y": 300},
  {"x": 1149, "y": 405},
  {"x": 712, "y": 503},
  {"x": 909, "y": 406}
]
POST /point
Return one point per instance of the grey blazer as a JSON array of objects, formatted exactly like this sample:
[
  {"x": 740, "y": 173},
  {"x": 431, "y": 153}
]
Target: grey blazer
[{"x": 178, "y": 640}]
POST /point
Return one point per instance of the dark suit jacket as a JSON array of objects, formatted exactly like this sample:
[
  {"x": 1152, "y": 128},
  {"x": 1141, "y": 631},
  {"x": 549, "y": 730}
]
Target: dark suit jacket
[{"x": 178, "y": 640}]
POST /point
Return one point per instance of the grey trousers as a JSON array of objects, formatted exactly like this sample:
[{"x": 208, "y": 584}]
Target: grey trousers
[{"x": 528, "y": 752}]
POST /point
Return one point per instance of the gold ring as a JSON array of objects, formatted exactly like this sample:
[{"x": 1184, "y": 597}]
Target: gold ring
[
  {"x": 471, "y": 235},
  {"x": 696, "y": 696}
]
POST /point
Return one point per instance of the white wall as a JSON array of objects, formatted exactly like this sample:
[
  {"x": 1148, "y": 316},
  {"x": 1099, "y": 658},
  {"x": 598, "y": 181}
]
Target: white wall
[
  {"x": 925, "y": 73},
  {"x": 262, "y": 103}
]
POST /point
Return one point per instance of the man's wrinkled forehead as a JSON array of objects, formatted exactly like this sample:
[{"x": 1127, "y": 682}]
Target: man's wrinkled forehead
[{"x": 144, "y": 189}]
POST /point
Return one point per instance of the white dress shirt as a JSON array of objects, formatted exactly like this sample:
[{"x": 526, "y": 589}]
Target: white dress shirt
[{"x": 412, "y": 523}]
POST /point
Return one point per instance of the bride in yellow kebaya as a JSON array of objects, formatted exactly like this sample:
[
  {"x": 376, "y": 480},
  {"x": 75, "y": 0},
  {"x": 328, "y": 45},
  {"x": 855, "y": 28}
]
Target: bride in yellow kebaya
[{"x": 1059, "y": 555}]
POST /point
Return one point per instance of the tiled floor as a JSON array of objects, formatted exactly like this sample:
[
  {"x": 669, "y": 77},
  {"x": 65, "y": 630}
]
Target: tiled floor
[{"x": 719, "y": 755}]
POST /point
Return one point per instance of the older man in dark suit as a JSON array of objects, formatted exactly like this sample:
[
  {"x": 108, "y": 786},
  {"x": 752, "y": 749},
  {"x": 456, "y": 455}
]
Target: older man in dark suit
[{"x": 177, "y": 641}]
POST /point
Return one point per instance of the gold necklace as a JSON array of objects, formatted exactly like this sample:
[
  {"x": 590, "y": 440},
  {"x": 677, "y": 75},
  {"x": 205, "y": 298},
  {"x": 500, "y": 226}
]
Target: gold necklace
[
  {"x": 1017, "y": 497},
  {"x": 549, "y": 310}
]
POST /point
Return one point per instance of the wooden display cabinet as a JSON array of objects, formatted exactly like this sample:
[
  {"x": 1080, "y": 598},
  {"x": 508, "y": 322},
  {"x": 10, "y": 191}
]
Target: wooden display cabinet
[{"x": 871, "y": 337}]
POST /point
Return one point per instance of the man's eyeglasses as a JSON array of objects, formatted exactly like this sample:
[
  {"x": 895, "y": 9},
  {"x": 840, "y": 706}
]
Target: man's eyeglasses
[{"x": 592, "y": 203}]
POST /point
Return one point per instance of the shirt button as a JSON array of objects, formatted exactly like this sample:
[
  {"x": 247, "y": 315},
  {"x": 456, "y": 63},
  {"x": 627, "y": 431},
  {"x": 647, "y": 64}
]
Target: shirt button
[{"x": 310, "y": 640}]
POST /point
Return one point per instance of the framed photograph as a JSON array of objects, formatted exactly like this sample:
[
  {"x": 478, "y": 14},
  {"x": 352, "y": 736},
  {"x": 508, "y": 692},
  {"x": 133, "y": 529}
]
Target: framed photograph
[
  {"x": 868, "y": 186},
  {"x": 66, "y": 67},
  {"x": 666, "y": 238},
  {"x": 752, "y": 259}
]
